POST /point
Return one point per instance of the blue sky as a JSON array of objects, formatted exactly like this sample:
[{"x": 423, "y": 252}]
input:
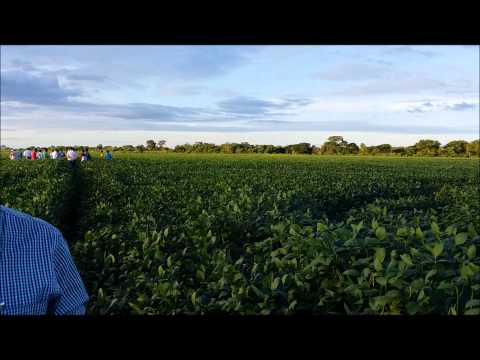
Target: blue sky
[{"x": 52, "y": 95}]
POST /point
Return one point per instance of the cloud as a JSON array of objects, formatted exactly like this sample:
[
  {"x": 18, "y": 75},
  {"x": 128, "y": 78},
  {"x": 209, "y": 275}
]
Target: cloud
[
  {"x": 353, "y": 72},
  {"x": 28, "y": 88},
  {"x": 395, "y": 86},
  {"x": 243, "y": 105},
  {"x": 87, "y": 77},
  {"x": 460, "y": 107},
  {"x": 408, "y": 50},
  {"x": 432, "y": 105},
  {"x": 22, "y": 65}
]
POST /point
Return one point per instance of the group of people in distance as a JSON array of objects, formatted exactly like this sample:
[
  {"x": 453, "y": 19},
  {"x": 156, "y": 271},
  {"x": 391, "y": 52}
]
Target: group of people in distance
[{"x": 42, "y": 154}]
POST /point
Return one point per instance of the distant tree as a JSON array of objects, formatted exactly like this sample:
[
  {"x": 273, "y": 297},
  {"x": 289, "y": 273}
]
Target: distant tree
[
  {"x": 399, "y": 150},
  {"x": 99, "y": 146},
  {"x": 334, "y": 145},
  {"x": 279, "y": 149},
  {"x": 128, "y": 148},
  {"x": 161, "y": 144},
  {"x": 151, "y": 145},
  {"x": 336, "y": 139},
  {"x": 352, "y": 148},
  {"x": 384, "y": 148},
  {"x": 473, "y": 148},
  {"x": 227, "y": 148},
  {"x": 301, "y": 148},
  {"x": 179, "y": 149},
  {"x": 328, "y": 148},
  {"x": 456, "y": 147},
  {"x": 316, "y": 150},
  {"x": 372, "y": 150},
  {"x": 427, "y": 147},
  {"x": 269, "y": 149},
  {"x": 140, "y": 148},
  {"x": 410, "y": 150},
  {"x": 363, "y": 149}
]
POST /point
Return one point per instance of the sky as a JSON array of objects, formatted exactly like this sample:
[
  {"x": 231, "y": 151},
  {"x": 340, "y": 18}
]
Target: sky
[{"x": 118, "y": 95}]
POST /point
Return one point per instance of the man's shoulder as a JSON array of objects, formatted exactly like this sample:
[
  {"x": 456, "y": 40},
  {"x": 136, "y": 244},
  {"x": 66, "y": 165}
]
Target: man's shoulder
[{"x": 19, "y": 223}]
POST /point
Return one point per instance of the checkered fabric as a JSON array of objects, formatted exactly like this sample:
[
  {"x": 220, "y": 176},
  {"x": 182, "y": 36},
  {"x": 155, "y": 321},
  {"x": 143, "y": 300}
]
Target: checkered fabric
[{"x": 37, "y": 273}]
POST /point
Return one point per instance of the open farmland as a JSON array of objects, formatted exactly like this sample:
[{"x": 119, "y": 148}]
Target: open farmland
[{"x": 263, "y": 234}]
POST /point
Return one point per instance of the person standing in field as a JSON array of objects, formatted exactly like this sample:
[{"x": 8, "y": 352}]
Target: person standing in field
[
  {"x": 101, "y": 155},
  {"x": 13, "y": 155},
  {"x": 18, "y": 154},
  {"x": 71, "y": 157},
  {"x": 108, "y": 155},
  {"x": 27, "y": 154},
  {"x": 54, "y": 154},
  {"x": 40, "y": 155},
  {"x": 87, "y": 154},
  {"x": 37, "y": 273},
  {"x": 83, "y": 157},
  {"x": 34, "y": 154}
]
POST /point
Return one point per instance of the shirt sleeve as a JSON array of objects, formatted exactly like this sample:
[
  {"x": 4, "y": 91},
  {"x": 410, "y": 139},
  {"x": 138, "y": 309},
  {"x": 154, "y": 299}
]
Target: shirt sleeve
[{"x": 73, "y": 297}]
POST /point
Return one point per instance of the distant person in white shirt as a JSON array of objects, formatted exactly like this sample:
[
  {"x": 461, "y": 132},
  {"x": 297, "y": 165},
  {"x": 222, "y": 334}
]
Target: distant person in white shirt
[
  {"x": 13, "y": 156},
  {"x": 71, "y": 157},
  {"x": 54, "y": 154},
  {"x": 27, "y": 154}
]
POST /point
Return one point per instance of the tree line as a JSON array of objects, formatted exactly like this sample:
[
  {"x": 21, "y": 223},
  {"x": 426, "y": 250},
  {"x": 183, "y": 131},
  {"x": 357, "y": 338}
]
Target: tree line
[{"x": 335, "y": 145}]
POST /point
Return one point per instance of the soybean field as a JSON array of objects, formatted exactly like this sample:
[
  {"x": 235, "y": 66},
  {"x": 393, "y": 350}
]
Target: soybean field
[{"x": 263, "y": 234}]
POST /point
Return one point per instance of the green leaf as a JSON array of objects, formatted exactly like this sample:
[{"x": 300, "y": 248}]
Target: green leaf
[
  {"x": 412, "y": 308},
  {"x": 136, "y": 309},
  {"x": 275, "y": 283},
  {"x": 403, "y": 232},
  {"x": 193, "y": 297},
  {"x": 460, "y": 238},
  {"x": 258, "y": 292},
  {"x": 381, "y": 280},
  {"x": 471, "y": 252},
  {"x": 450, "y": 230},
  {"x": 351, "y": 272},
  {"x": 161, "y": 271},
  {"x": 430, "y": 274},
  {"x": 321, "y": 227},
  {"x": 472, "y": 303},
  {"x": 435, "y": 229},
  {"x": 380, "y": 255},
  {"x": 475, "y": 311},
  {"x": 200, "y": 274},
  {"x": 419, "y": 233},
  {"x": 437, "y": 249},
  {"x": 471, "y": 230},
  {"x": 381, "y": 233},
  {"x": 406, "y": 259},
  {"x": 292, "y": 305}
]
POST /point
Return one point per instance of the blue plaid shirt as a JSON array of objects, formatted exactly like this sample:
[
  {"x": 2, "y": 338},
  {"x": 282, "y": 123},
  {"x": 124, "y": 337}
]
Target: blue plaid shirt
[{"x": 37, "y": 273}]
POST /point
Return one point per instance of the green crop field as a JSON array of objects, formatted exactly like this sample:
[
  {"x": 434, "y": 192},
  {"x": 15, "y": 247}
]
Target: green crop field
[{"x": 263, "y": 234}]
